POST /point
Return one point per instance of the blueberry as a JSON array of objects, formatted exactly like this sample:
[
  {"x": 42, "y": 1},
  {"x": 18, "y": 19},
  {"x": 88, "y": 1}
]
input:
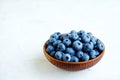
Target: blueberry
[
  {"x": 100, "y": 46},
  {"x": 58, "y": 33},
  {"x": 72, "y": 32},
  {"x": 85, "y": 38},
  {"x": 87, "y": 47},
  {"x": 74, "y": 35},
  {"x": 61, "y": 47},
  {"x": 52, "y": 53},
  {"x": 92, "y": 54},
  {"x": 79, "y": 54},
  {"x": 52, "y": 40},
  {"x": 56, "y": 43},
  {"x": 97, "y": 52},
  {"x": 59, "y": 55},
  {"x": 64, "y": 36},
  {"x": 92, "y": 45},
  {"x": 48, "y": 43},
  {"x": 70, "y": 51},
  {"x": 85, "y": 57},
  {"x": 49, "y": 48},
  {"x": 98, "y": 41},
  {"x": 74, "y": 59},
  {"x": 81, "y": 33},
  {"x": 77, "y": 45},
  {"x": 90, "y": 34},
  {"x": 93, "y": 40},
  {"x": 67, "y": 42},
  {"x": 54, "y": 36},
  {"x": 66, "y": 57}
]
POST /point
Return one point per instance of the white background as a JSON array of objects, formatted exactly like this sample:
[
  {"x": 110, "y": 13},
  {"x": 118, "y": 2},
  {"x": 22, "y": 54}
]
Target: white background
[{"x": 26, "y": 24}]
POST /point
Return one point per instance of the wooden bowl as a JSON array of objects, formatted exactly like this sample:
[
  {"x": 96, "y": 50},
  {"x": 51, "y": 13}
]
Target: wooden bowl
[{"x": 73, "y": 66}]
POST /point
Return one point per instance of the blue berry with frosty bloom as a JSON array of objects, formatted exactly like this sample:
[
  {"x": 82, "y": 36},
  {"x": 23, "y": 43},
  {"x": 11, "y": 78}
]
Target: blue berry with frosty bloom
[
  {"x": 72, "y": 32},
  {"x": 79, "y": 54},
  {"x": 52, "y": 40},
  {"x": 87, "y": 47},
  {"x": 90, "y": 34},
  {"x": 49, "y": 48},
  {"x": 67, "y": 42},
  {"x": 92, "y": 45},
  {"x": 61, "y": 47},
  {"x": 93, "y": 40},
  {"x": 85, "y": 38},
  {"x": 70, "y": 50},
  {"x": 52, "y": 53},
  {"x": 98, "y": 41},
  {"x": 77, "y": 45},
  {"x": 56, "y": 36},
  {"x": 64, "y": 36},
  {"x": 100, "y": 46},
  {"x": 74, "y": 35},
  {"x": 74, "y": 59},
  {"x": 85, "y": 57},
  {"x": 81, "y": 33},
  {"x": 66, "y": 57},
  {"x": 59, "y": 55},
  {"x": 92, "y": 54},
  {"x": 56, "y": 43},
  {"x": 97, "y": 52},
  {"x": 58, "y": 33}
]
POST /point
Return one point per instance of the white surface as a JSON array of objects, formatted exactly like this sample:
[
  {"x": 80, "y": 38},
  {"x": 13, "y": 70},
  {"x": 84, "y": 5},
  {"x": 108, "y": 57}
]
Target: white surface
[{"x": 26, "y": 24}]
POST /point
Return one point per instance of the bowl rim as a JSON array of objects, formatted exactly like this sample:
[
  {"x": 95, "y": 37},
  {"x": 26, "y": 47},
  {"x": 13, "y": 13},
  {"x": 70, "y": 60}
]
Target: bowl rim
[{"x": 91, "y": 60}]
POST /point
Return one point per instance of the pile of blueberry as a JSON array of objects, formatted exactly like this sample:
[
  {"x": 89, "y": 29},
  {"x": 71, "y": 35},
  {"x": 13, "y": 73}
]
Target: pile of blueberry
[{"x": 74, "y": 46}]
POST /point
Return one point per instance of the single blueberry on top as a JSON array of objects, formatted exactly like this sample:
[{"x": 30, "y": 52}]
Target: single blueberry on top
[
  {"x": 72, "y": 32},
  {"x": 90, "y": 34},
  {"x": 85, "y": 57},
  {"x": 54, "y": 36},
  {"x": 85, "y": 38},
  {"x": 49, "y": 48},
  {"x": 92, "y": 54},
  {"x": 87, "y": 47},
  {"x": 56, "y": 43},
  {"x": 59, "y": 55},
  {"x": 58, "y": 33},
  {"x": 64, "y": 36},
  {"x": 67, "y": 42},
  {"x": 66, "y": 57},
  {"x": 61, "y": 47},
  {"x": 93, "y": 40},
  {"x": 81, "y": 33},
  {"x": 52, "y": 53},
  {"x": 52, "y": 40},
  {"x": 79, "y": 54},
  {"x": 77, "y": 45},
  {"x": 74, "y": 35},
  {"x": 74, "y": 59},
  {"x": 92, "y": 45},
  {"x": 98, "y": 41},
  {"x": 70, "y": 51},
  {"x": 100, "y": 46},
  {"x": 97, "y": 52}
]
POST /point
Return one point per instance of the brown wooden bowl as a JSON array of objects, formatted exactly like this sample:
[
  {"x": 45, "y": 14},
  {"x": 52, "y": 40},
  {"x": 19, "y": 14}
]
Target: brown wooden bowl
[{"x": 73, "y": 66}]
